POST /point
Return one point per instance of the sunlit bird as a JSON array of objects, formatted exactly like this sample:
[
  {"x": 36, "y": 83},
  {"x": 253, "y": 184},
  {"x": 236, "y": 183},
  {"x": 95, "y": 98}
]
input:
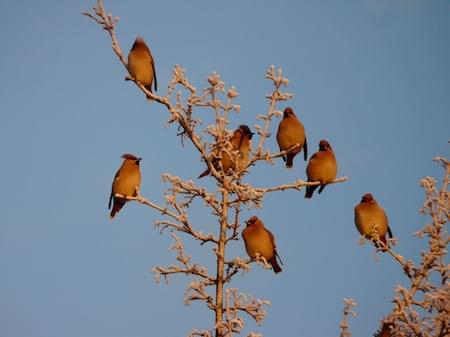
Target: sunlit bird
[
  {"x": 370, "y": 218},
  {"x": 291, "y": 132},
  {"x": 141, "y": 64},
  {"x": 259, "y": 240},
  {"x": 322, "y": 166},
  {"x": 240, "y": 141},
  {"x": 127, "y": 182}
]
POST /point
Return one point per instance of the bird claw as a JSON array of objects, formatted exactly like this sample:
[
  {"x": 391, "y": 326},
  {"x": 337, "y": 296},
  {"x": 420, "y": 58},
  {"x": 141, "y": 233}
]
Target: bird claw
[{"x": 262, "y": 261}]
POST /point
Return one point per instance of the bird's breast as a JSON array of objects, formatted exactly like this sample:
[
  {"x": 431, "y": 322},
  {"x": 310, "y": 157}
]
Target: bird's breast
[
  {"x": 368, "y": 217},
  {"x": 140, "y": 66},
  {"x": 258, "y": 241}
]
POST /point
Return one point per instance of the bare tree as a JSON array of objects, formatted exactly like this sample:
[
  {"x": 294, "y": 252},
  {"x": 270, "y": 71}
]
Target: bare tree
[
  {"x": 226, "y": 202},
  {"x": 422, "y": 307}
]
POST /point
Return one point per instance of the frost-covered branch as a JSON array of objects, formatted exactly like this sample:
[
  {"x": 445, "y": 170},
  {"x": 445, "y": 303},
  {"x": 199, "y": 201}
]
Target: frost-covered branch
[
  {"x": 184, "y": 105},
  {"x": 200, "y": 333},
  {"x": 185, "y": 266},
  {"x": 108, "y": 23},
  {"x": 234, "y": 266},
  {"x": 191, "y": 191},
  {"x": 276, "y": 96},
  {"x": 178, "y": 112},
  {"x": 348, "y": 312},
  {"x": 249, "y": 194},
  {"x": 196, "y": 291},
  {"x": 182, "y": 223},
  {"x": 236, "y": 302},
  {"x": 144, "y": 201},
  {"x": 423, "y": 307}
]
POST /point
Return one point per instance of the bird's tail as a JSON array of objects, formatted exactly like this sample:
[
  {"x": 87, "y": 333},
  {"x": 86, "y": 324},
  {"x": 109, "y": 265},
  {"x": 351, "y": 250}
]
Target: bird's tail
[
  {"x": 118, "y": 204},
  {"x": 274, "y": 263},
  {"x": 322, "y": 187},
  {"x": 390, "y": 232},
  {"x": 382, "y": 239},
  {"x": 149, "y": 88},
  {"x": 289, "y": 160},
  {"x": 309, "y": 191},
  {"x": 204, "y": 174}
]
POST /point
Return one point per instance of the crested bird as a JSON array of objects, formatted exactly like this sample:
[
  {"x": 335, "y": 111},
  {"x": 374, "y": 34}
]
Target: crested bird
[
  {"x": 127, "y": 182},
  {"x": 291, "y": 132},
  {"x": 322, "y": 166},
  {"x": 259, "y": 240},
  {"x": 141, "y": 64},
  {"x": 241, "y": 142},
  {"x": 370, "y": 218}
]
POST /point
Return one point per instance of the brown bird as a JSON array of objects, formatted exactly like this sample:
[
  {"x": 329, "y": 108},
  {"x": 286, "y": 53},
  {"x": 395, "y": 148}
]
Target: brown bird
[
  {"x": 291, "y": 132},
  {"x": 127, "y": 182},
  {"x": 384, "y": 331},
  {"x": 321, "y": 167},
  {"x": 369, "y": 214},
  {"x": 141, "y": 64},
  {"x": 240, "y": 141},
  {"x": 258, "y": 240}
]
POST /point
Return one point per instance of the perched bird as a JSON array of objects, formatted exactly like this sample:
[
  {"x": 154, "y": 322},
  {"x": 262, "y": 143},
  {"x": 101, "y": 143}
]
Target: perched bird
[
  {"x": 127, "y": 182},
  {"x": 291, "y": 132},
  {"x": 384, "y": 331},
  {"x": 369, "y": 214},
  {"x": 141, "y": 64},
  {"x": 240, "y": 141},
  {"x": 258, "y": 240},
  {"x": 321, "y": 167}
]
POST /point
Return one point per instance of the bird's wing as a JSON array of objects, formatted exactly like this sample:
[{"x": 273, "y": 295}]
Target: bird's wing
[
  {"x": 154, "y": 71},
  {"x": 305, "y": 150},
  {"x": 279, "y": 258},
  {"x": 110, "y": 199},
  {"x": 272, "y": 239},
  {"x": 112, "y": 194},
  {"x": 390, "y": 232}
]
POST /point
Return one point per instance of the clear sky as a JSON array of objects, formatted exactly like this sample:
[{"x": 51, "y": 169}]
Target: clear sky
[{"x": 371, "y": 76}]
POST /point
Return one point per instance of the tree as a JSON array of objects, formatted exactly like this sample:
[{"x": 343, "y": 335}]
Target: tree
[
  {"x": 422, "y": 307},
  {"x": 226, "y": 202},
  {"x": 232, "y": 194}
]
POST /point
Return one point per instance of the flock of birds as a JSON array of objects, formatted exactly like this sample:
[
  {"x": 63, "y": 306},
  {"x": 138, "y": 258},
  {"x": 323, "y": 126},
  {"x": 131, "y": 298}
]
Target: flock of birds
[{"x": 370, "y": 219}]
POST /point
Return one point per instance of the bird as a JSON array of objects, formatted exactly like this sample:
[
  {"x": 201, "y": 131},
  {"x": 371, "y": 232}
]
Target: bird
[
  {"x": 127, "y": 182},
  {"x": 259, "y": 240},
  {"x": 369, "y": 214},
  {"x": 385, "y": 330},
  {"x": 141, "y": 64},
  {"x": 240, "y": 141},
  {"x": 291, "y": 132},
  {"x": 322, "y": 166}
]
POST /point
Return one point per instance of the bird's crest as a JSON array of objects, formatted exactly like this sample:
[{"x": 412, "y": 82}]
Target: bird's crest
[
  {"x": 130, "y": 157},
  {"x": 288, "y": 112},
  {"x": 138, "y": 43},
  {"x": 252, "y": 220},
  {"x": 246, "y": 130},
  {"x": 368, "y": 197},
  {"x": 324, "y": 145}
]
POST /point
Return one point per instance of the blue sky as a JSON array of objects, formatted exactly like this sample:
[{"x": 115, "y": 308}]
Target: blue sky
[{"x": 371, "y": 76}]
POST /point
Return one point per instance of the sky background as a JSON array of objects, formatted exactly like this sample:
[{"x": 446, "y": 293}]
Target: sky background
[{"x": 370, "y": 76}]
